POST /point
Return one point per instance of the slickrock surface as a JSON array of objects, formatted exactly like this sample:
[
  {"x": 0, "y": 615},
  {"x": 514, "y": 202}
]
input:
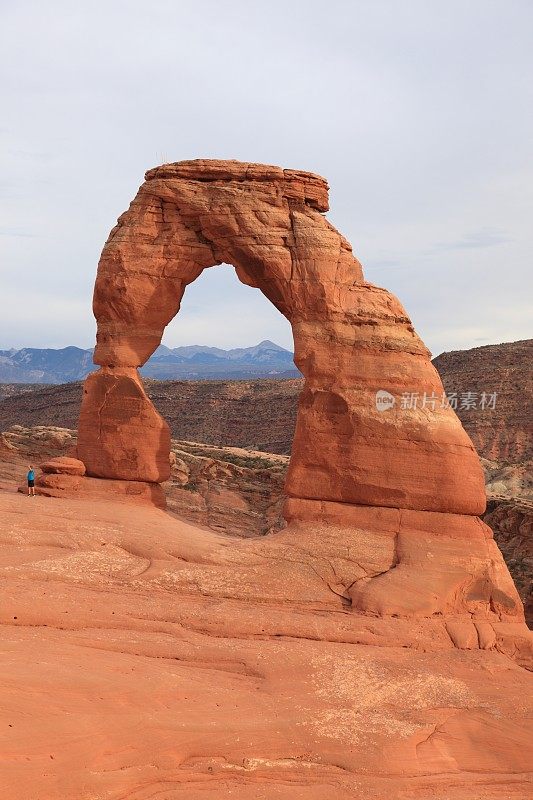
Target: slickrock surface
[
  {"x": 144, "y": 657},
  {"x": 240, "y": 492}
]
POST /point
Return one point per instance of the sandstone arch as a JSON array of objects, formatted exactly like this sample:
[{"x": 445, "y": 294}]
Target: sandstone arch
[
  {"x": 351, "y": 339},
  {"x": 397, "y": 490},
  {"x": 233, "y": 665}
]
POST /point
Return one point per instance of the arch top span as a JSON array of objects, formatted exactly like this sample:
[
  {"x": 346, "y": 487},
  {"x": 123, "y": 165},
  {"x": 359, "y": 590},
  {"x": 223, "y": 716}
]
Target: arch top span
[
  {"x": 295, "y": 184},
  {"x": 266, "y": 221},
  {"x": 352, "y": 340}
]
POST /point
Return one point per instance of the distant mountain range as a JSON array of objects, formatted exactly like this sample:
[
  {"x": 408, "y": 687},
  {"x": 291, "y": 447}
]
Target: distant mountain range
[
  {"x": 193, "y": 362},
  {"x": 33, "y": 365}
]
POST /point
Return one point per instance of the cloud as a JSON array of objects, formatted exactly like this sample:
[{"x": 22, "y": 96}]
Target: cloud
[
  {"x": 16, "y": 233},
  {"x": 419, "y": 114},
  {"x": 481, "y": 238}
]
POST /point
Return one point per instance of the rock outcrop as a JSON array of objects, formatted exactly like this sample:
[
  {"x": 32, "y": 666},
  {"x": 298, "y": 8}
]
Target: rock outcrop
[
  {"x": 64, "y": 465},
  {"x": 145, "y": 657},
  {"x": 374, "y": 647},
  {"x": 240, "y": 492},
  {"x": 353, "y": 462},
  {"x": 351, "y": 339},
  {"x": 502, "y": 431},
  {"x": 207, "y": 665},
  {"x": 511, "y": 519},
  {"x": 121, "y": 435},
  {"x": 262, "y": 413}
]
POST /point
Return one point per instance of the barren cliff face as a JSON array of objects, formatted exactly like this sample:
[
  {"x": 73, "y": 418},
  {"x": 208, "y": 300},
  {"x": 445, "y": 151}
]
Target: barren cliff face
[{"x": 503, "y": 433}]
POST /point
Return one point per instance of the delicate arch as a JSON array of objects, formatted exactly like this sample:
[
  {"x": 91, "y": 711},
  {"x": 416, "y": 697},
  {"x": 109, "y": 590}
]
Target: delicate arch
[{"x": 351, "y": 339}]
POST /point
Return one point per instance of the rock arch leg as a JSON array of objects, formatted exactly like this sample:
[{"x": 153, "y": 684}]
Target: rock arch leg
[{"x": 122, "y": 436}]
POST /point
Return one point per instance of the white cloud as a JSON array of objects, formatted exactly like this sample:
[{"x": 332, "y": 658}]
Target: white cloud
[{"x": 419, "y": 114}]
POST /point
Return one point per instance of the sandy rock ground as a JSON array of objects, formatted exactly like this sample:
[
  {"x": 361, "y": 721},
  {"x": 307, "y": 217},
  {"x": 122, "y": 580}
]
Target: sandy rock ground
[
  {"x": 240, "y": 491},
  {"x": 228, "y": 489},
  {"x": 144, "y": 656}
]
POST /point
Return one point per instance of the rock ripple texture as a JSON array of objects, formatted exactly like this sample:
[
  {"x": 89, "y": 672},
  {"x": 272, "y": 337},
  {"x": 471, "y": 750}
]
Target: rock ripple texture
[{"x": 142, "y": 657}]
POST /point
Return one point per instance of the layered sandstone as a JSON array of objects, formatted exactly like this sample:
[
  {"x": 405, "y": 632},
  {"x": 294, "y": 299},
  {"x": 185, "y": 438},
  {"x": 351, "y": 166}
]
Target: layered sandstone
[
  {"x": 64, "y": 465},
  {"x": 143, "y": 654},
  {"x": 230, "y": 490},
  {"x": 262, "y": 413},
  {"x": 511, "y": 519},
  {"x": 503, "y": 430},
  {"x": 411, "y": 466},
  {"x": 121, "y": 435}
]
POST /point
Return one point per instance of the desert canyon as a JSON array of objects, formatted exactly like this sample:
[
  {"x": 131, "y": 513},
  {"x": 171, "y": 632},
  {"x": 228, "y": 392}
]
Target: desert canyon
[{"x": 361, "y": 638}]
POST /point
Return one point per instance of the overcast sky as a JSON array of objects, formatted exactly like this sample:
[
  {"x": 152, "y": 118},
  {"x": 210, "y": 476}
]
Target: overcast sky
[{"x": 418, "y": 112}]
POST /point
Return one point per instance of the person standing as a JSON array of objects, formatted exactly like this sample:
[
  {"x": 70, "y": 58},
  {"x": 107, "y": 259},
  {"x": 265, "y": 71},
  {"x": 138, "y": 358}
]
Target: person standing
[{"x": 31, "y": 482}]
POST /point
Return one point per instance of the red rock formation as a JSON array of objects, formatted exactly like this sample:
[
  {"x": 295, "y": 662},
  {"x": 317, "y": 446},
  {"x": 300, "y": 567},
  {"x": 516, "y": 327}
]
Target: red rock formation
[
  {"x": 502, "y": 427},
  {"x": 121, "y": 435},
  {"x": 511, "y": 519},
  {"x": 351, "y": 655},
  {"x": 239, "y": 492},
  {"x": 351, "y": 339},
  {"x": 144, "y": 657},
  {"x": 377, "y": 638},
  {"x": 64, "y": 465}
]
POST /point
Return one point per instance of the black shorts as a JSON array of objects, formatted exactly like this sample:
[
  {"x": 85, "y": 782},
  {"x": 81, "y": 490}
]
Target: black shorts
[{"x": 31, "y": 484}]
